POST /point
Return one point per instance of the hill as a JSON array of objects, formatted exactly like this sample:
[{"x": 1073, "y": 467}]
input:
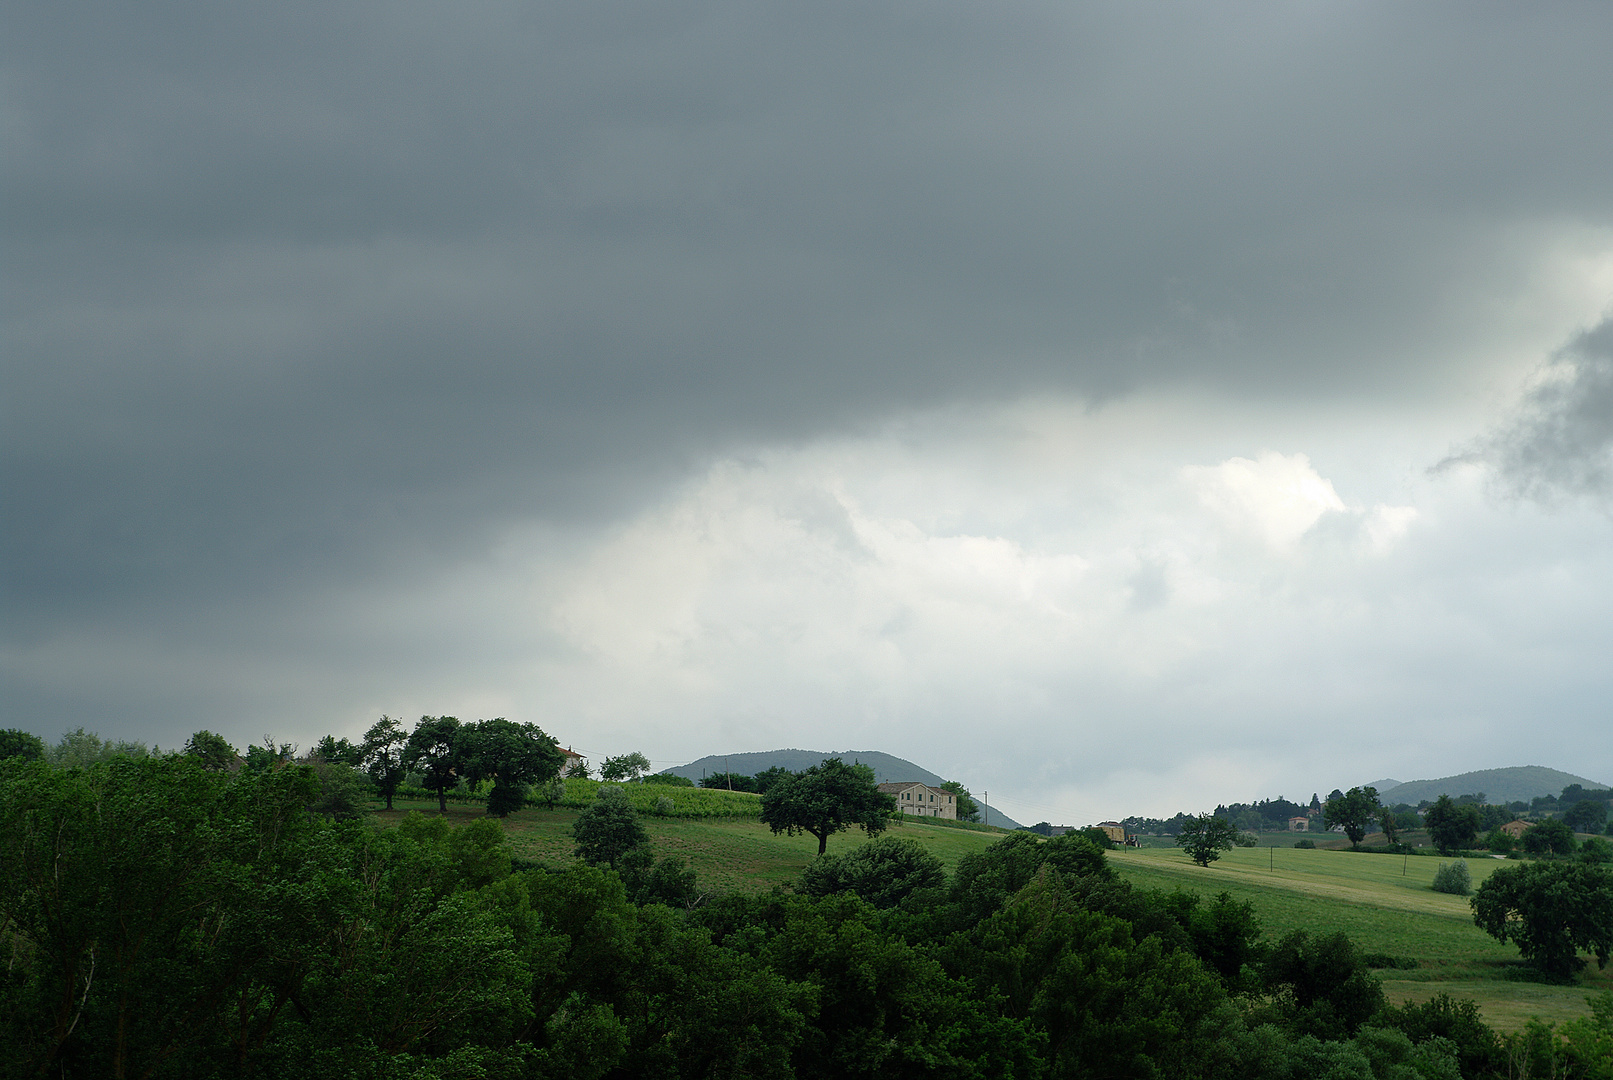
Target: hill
[
  {"x": 888, "y": 768},
  {"x": 1519, "y": 783}
]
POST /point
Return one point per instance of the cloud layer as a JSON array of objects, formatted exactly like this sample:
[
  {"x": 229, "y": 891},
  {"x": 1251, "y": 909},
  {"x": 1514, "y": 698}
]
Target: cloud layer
[{"x": 1021, "y": 389}]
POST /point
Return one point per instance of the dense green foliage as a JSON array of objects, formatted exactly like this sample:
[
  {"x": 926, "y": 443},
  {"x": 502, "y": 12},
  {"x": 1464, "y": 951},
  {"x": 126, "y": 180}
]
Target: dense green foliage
[
  {"x": 1551, "y": 911},
  {"x": 168, "y": 919}
]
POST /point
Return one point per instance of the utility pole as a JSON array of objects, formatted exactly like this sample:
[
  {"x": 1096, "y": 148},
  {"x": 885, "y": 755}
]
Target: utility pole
[{"x": 985, "y": 798}]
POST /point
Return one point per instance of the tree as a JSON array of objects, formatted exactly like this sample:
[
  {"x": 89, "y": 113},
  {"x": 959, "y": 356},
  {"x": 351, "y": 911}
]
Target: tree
[
  {"x": 381, "y": 754},
  {"x": 511, "y": 755},
  {"x": 434, "y": 751},
  {"x": 1205, "y": 837},
  {"x": 825, "y": 799},
  {"x": 1451, "y": 826},
  {"x": 627, "y": 767},
  {"x": 768, "y": 777},
  {"x": 340, "y": 752},
  {"x": 968, "y": 809},
  {"x": 608, "y": 830},
  {"x": 1355, "y": 810},
  {"x": 1551, "y": 911},
  {"x": 20, "y": 745},
  {"x": 1587, "y": 816},
  {"x": 883, "y": 872},
  {"x": 1550, "y": 837},
  {"x": 212, "y": 750},
  {"x": 729, "y": 781}
]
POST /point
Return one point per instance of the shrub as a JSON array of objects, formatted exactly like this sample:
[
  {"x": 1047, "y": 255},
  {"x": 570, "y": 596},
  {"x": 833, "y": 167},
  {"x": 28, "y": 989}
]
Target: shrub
[
  {"x": 884, "y": 872},
  {"x": 1453, "y": 878},
  {"x": 664, "y": 806},
  {"x": 1307, "y": 844}
]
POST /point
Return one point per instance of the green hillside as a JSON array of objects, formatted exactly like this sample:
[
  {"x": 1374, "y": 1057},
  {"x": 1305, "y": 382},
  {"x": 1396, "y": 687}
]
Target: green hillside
[
  {"x": 729, "y": 853},
  {"x": 1386, "y": 905}
]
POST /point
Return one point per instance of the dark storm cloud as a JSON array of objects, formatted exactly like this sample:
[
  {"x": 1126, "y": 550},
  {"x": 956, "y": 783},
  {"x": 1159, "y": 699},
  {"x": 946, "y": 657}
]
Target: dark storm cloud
[
  {"x": 1561, "y": 444},
  {"x": 296, "y": 291}
]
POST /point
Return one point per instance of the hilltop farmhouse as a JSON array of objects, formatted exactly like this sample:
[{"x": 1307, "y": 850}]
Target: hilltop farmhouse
[{"x": 921, "y": 800}]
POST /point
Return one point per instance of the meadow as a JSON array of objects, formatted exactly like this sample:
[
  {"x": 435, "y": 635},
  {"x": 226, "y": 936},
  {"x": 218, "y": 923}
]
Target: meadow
[
  {"x": 729, "y": 854},
  {"x": 1386, "y": 904}
]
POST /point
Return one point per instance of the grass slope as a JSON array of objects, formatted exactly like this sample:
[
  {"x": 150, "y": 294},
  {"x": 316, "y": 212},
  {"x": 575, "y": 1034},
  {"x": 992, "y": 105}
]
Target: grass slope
[
  {"x": 1386, "y": 905},
  {"x": 728, "y": 854}
]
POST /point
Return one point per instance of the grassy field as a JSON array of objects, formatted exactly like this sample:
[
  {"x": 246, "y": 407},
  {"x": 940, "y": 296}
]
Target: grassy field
[
  {"x": 1385, "y": 904},
  {"x": 728, "y": 855}
]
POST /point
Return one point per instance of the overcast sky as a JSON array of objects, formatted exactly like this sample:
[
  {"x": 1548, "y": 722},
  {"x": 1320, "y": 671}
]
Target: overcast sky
[{"x": 1121, "y": 408}]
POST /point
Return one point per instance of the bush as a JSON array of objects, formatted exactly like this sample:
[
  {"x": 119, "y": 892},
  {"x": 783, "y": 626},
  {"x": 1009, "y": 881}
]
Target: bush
[
  {"x": 1453, "y": 878},
  {"x": 1306, "y": 844},
  {"x": 883, "y": 872}
]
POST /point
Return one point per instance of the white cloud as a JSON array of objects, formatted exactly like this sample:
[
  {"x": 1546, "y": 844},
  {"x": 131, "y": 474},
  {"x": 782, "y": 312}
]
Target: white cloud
[{"x": 1276, "y": 497}]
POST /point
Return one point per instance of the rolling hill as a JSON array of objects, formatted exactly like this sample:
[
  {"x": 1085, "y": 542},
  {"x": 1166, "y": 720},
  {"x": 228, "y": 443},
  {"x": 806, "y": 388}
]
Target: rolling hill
[
  {"x": 887, "y": 768},
  {"x": 1519, "y": 783}
]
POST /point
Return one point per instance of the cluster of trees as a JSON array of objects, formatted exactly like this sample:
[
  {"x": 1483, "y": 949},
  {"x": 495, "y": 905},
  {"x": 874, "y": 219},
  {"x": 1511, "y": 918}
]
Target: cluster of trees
[{"x": 172, "y": 919}]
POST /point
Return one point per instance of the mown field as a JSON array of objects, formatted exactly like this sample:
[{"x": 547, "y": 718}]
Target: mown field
[{"x": 1386, "y": 905}]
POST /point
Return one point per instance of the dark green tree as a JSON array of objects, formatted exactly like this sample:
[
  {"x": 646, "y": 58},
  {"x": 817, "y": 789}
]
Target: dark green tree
[
  {"x": 884, "y": 872},
  {"x": 381, "y": 754},
  {"x": 1205, "y": 837},
  {"x": 1451, "y": 826},
  {"x": 1322, "y": 984},
  {"x": 510, "y": 756},
  {"x": 434, "y": 751},
  {"x": 724, "y": 781},
  {"x": 20, "y": 745},
  {"x": 968, "y": 809},
  {"x": 1550, "y": 837},
  {"x": 1551, "y": 911},
  {"x": 827, "y": 798},
  {"x": 339, "y": 752},
  {"x": 212, "y": 750},
  {"x": 1355, "y": 810},
  {"x": 1586, "y": 816},
  {"x": 768, "y": 777},
  {"x": 609, "y": 830},
  {"x": 628, "y": 767}
]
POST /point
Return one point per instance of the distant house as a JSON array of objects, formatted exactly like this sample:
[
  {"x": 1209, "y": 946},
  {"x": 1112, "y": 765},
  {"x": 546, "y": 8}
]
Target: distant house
[
  {"x": 1113, "y": 830},
  {"x": 572, "y": 759},
  {"x": 1299, "y": 824},
  {"x": 1516, "y": 829},
  {"x": 921, "y": 800}
]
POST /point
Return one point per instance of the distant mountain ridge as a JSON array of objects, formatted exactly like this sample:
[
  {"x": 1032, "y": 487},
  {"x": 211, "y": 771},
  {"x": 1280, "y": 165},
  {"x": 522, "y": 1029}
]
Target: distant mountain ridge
[
  {"x": 1520, "y": 783},
  {"x": 888, "y": 769}
]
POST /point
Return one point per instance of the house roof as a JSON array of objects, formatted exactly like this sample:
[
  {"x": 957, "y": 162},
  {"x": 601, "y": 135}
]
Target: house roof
[{"x": 903, "y": 786}]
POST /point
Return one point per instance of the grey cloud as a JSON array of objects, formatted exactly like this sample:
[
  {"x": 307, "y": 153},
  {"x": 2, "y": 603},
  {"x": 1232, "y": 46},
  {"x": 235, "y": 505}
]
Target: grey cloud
[
  {"x": 299, "y": 293},
  {"x": 1561, "y": 443}
]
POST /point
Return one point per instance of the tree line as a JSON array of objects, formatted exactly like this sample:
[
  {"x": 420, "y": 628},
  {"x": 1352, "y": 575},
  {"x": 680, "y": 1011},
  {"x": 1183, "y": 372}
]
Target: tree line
[{"x": 170, "y": 917}]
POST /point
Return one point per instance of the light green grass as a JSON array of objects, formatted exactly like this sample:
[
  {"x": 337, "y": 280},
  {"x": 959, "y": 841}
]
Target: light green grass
[
  {"x": 1385, "y": 904},
  {"x": 728, "y": 855}
]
